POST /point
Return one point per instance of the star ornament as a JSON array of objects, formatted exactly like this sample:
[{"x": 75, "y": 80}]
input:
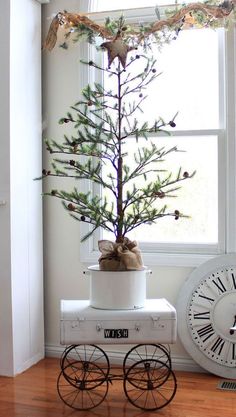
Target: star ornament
[{"x": 117, "y": 49}]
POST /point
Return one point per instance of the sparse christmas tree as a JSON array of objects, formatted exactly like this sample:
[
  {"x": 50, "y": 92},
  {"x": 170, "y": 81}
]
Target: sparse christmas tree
[{"x": 104, "y": 121}]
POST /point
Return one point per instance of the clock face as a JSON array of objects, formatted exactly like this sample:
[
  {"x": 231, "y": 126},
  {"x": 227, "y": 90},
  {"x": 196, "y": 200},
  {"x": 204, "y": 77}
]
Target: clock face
[
  {"x": 212, "y": 313},
  {"x": 207, "y": 315}
]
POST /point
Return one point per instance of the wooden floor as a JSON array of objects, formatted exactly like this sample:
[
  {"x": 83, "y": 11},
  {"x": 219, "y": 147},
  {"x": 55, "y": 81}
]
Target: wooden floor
[{"x": 34, "y": 394}]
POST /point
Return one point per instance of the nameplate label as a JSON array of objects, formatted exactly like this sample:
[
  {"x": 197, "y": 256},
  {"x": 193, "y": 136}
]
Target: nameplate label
[{"x": 116, "y": 333}]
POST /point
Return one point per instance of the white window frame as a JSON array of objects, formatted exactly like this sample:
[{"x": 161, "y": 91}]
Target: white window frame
[{"x": 179, "y": 254}]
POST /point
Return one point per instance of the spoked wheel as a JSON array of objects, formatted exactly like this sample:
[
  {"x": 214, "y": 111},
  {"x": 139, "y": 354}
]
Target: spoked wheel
[
  {"x": 145, "y": 352},
  {"x": 150, "y": 384},
  {"x": 64, "y": 353},
  {"x": 76, "y": 357},
  {"x": 84, "y": 387}
]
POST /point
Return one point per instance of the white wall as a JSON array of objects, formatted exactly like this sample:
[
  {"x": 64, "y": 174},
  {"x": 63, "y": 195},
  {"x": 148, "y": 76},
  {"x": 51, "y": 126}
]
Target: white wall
[
  {"x": 21, "y": 296},
  {"x": 26, "y": 156},
  {"x": 63, "y": 269},
  {"x": 6, "y": 351}
]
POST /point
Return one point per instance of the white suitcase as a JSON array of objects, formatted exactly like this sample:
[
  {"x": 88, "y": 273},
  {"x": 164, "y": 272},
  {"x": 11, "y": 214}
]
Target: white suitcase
[{"x": 81, "y": 324}]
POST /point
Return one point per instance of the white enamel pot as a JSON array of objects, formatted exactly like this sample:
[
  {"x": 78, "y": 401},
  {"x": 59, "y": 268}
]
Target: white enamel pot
[{"x": 117, "y": 290}]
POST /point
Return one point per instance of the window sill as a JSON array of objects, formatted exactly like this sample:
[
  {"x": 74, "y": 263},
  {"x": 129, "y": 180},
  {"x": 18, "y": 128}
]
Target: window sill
[{"x": 158, "y": 259}]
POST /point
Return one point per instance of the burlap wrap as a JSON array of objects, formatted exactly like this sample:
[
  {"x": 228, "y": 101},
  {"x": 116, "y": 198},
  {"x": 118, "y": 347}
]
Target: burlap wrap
[{"x": 124, "y": 256}]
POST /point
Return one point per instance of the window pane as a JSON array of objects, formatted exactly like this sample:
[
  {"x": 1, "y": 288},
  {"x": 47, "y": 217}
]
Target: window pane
[
  {"x": 103, "y": 5},
  {"x": 188, "y": 82},
  {"x": 197, "y": 198}
]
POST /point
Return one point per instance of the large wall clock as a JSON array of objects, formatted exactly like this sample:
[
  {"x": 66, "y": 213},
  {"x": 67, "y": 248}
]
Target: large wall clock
[{"x": 206, "y": 311}]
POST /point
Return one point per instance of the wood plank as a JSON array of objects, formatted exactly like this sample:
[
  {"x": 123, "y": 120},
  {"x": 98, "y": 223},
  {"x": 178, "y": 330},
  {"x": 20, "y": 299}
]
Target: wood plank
[{"x": 34, "y": 394}]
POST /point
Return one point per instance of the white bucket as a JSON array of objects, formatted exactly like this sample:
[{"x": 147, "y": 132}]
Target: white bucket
[{"x": 117, "y": 290}]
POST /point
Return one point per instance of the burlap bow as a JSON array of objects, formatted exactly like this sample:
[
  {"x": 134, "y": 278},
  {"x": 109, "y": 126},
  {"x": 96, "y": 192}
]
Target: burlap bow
[{"x": 124, "y": 256}]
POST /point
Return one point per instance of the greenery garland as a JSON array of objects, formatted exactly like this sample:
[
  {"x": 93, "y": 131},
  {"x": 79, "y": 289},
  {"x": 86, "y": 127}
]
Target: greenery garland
[{"x": 207, "y": 14}]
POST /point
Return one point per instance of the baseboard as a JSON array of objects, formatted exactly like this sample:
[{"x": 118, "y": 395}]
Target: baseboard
[
  {"x": 179, "y": 363},
  {"x": 30, "y": 362}
]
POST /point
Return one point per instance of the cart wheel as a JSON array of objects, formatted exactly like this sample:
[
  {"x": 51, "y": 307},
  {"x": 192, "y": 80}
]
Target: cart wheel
[
  {"x": 89, "y": 387},
  {"x": 149, "y": 384},
  {"x": 152, "y": 369},
  {"x": 144, "y": 352},
  {"x": 74, "y": 355},
  {"x": 64, "y": 353}
]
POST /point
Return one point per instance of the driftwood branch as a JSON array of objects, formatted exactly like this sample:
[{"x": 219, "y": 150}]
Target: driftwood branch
[
  {"x": 70, "y": 20},
  {"x": 215, "y": 12}
]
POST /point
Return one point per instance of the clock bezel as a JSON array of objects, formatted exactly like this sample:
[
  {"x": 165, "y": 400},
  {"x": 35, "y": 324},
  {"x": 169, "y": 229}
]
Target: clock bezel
[{"x": 184, "y": 299}]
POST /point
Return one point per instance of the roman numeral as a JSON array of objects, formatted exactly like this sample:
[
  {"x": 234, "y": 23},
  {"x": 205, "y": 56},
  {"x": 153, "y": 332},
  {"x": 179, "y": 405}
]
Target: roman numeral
[
  {"x": 206, "y": 331},
  {"x": 234, "y": 282},
  {"x": 233, "y": 352},
  {"x": 219, "y": 285},
  {"x": 218, "y": 346},
  {"x": 202, "y": 316},
  {"x": 206, "y": 298}
]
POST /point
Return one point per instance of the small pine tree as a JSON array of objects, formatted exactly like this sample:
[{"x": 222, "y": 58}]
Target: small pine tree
[{"x": 104, "y": 120}]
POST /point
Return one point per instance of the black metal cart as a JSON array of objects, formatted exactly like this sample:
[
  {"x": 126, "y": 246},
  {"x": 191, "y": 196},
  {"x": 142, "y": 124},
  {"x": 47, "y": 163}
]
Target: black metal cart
[
  {"x": 149, "y": 382},
  {"x": 148, "y": 379}
]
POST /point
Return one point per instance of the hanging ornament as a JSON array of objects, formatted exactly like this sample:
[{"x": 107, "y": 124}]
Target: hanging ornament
[{"x": 117, "y": 48}]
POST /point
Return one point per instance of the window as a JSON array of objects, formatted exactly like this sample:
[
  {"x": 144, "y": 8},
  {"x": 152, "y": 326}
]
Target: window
[
  {"x": 101, "y": 5},
  {"x": 196, "y": 81}
]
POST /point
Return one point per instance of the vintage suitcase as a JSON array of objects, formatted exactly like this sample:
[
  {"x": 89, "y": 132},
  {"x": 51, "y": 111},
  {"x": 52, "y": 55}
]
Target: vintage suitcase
[{"x": 82, "y": 324}]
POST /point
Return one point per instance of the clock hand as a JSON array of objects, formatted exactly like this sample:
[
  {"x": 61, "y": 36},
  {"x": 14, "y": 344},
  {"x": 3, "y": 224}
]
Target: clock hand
[{"x": 233, "y": 328}]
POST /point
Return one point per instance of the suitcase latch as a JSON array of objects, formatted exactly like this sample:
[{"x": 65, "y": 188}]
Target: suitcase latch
[
  {"x": 77, "y": 323},
  {"x": 157, "y": 324},
  {"x": 155, "y": 321},
  {"x": 98, "y": 327},
  {"x": 74, "y": 324},
  {"x": 137, "y": 327}
]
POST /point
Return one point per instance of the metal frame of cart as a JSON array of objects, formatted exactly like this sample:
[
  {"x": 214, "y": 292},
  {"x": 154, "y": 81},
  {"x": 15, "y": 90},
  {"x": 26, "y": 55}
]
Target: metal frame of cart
[{"x": 149, "y": 382}]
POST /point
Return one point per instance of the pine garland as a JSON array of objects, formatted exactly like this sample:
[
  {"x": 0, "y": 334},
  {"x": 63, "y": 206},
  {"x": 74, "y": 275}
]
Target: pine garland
[{"x": 199, "y": 14}]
